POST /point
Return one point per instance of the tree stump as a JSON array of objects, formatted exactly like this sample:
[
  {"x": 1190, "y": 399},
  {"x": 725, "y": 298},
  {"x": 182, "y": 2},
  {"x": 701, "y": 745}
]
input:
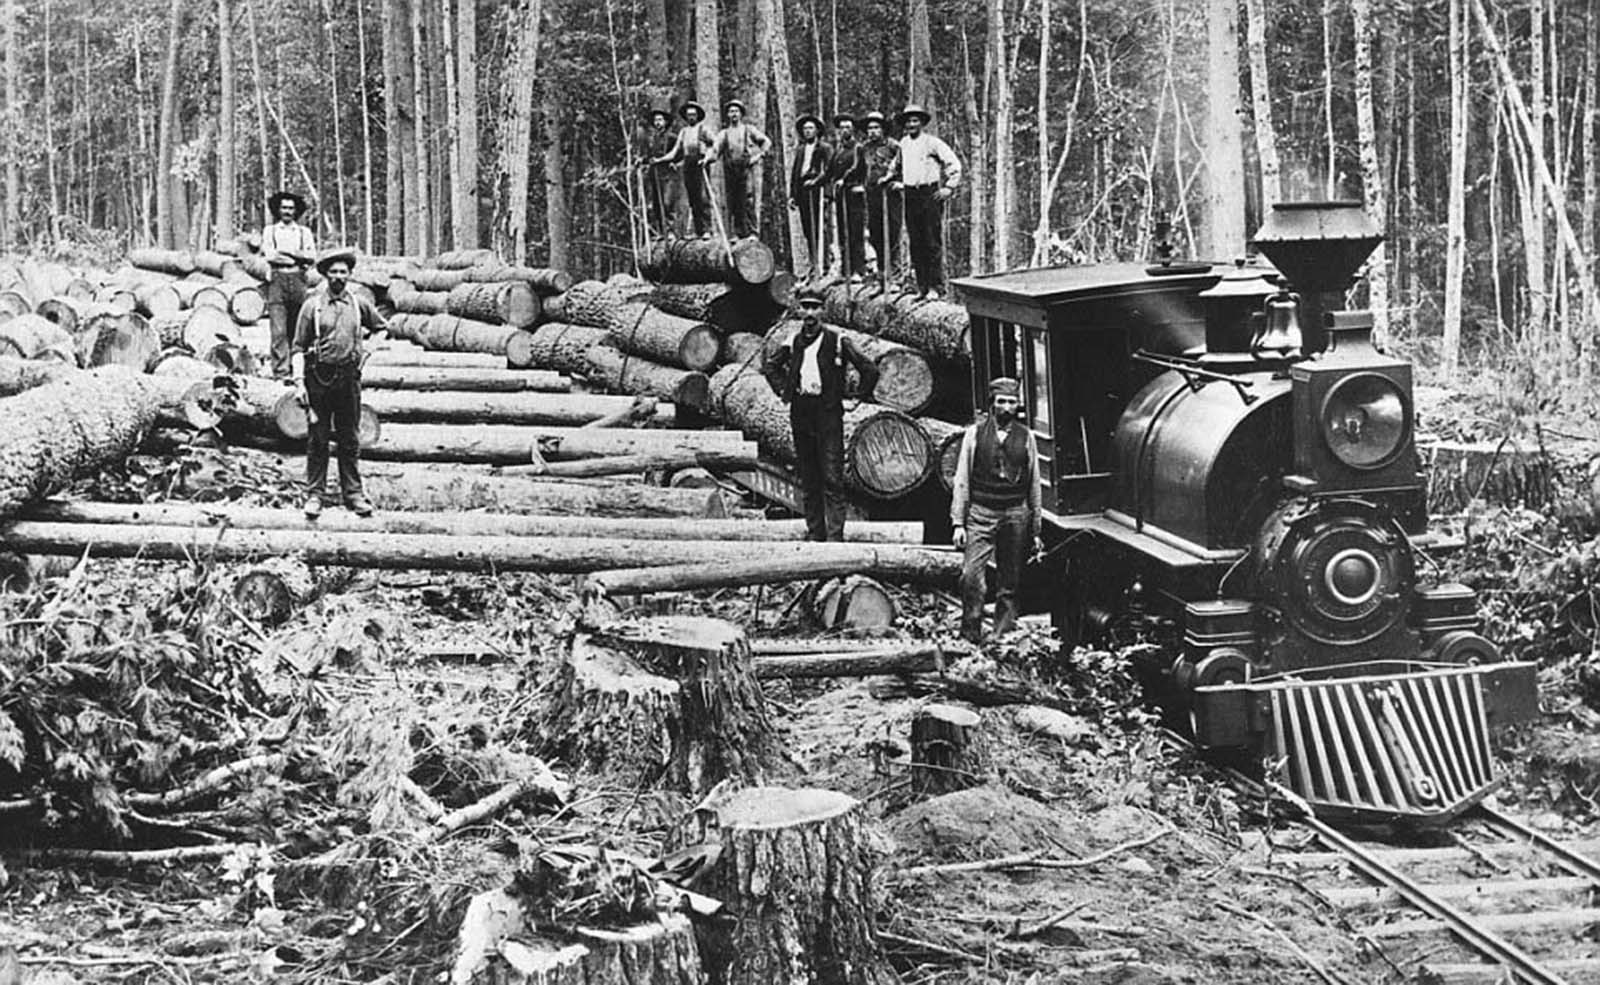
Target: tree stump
[
  {"x": 667, "y": 701},
  {"x": 947, "y": 752},
  {"x": 272, "y": 591},
  {"x": 795, "y": 874},
  {"x": 856, "y": 602}
]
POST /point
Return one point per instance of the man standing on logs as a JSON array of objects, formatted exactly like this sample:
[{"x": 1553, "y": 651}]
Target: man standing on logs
[
  {"x": 689, "y": 152},
  {"x": 847, "y": 176},
  {"x": 808, "y": 371},
  {"x": 288, "y": 248},
  {"x": 662, "y": 187},
  {"x": 884, "y": 206},
  {"x": 805, "y": 186},
  {"x": 930, "y": 173},
  {"x": 995, "y": 508},
  {"x": 740, "y": 147},
  {"x": 327, "y": 341}
]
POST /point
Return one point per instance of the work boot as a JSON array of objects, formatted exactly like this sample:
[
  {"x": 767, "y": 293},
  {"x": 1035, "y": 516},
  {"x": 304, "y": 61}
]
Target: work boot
[
  {"x": 313, "y": 507},
  {"x": 972, "y": 633},
  {"x": 359, "y": 505}
]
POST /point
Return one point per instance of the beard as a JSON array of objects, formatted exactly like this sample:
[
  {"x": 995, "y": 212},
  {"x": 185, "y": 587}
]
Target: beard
[{"x": 1004, "y": 417}]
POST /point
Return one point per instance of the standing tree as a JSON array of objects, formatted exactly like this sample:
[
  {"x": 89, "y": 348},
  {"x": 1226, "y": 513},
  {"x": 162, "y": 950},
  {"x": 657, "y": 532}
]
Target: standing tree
[
  {"x": 516, "y": 128},
  {"x": 783, "y": 91},
  {"x": 167, "y": 130},
  {"x": 1261, "y": 100},
  {"x": 558, "y": 218},
  {"x": 1225, "y": 155},
  {"x": 1455, "y": 223},
  {"x": 394, "y": 201},
  {"x": 10, "y": 146},
  {"x": 1371, "y": 173},
  {"x": 226, "y": 111},
  {"x": 466, "y": 211}
]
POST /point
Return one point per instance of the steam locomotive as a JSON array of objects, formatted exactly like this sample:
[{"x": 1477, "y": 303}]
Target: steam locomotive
[{"x": 1230, "y": 463}]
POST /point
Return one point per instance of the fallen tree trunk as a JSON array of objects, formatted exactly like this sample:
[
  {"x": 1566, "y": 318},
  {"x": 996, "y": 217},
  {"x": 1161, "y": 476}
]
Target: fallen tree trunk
[
  {"x": 216, "y": 264},
  {"x": 543, "y": 280},
  {"x": 15, "y": 302},
  {"x": 512, "y": 444},
  {"x": 196, "y": 329},
  {"x": 905, "y": 380},
  {"x": 452, "y": 407},
  {"x": 432, "y": 279},
  {"x": 158, "y": 299},
  {"x": 459, "y": 523},
  {"x": 453, "y": 333},
  {"x": 462, "y": 259},
  {"x": 588, "y": 301},
  {"x": 501, "y": 303},
  {"x": 413, "y": 301},
  {"x": 408, "y": 354},
  {"x": 910, "y": 564},
  {"x": 585, "y": 468},
  {"x": 18, "y": 375},
  {"x": 641, "y": 330},
  {"x": 855, "y": 603},
  {"x": 920, "y": 659},
  {"x": 118, "y": 296},
  {"x": 177, "y": 262},
  {"x": 491, "y": 948},
  {"x": 584, "y": 350},
  {"x": 939, "y": 329},
  {"x": 64, "y": 311},
  {"x": 36, "y": 337},
  {"x": 680, "y": 261},
  {"x": 383, "y": 375},
  {"x": 394, "y": 486},
  {"x": 731, "y": 309}
]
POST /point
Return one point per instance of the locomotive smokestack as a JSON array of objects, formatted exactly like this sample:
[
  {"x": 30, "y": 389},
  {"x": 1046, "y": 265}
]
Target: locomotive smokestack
[{"x": 1318, "y": 247}]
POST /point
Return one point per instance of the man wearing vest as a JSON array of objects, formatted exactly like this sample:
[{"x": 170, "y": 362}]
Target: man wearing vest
[
  {"x": 805, "y": 187},
  {"x": 327, "y": 341},
  {"x": 847, "y": 176},
  {"x": 995, "y": 508},
  {"x": 663, "y": 189},
  {"x": 689, "y": 154},
  {"x": 808, "y": 372},
  {"x": 288, "y": 248}
]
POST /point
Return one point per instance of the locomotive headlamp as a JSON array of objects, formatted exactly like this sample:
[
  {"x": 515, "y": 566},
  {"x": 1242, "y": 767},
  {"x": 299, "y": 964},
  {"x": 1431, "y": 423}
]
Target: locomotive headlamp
[{"x": 1365, "y": 420}]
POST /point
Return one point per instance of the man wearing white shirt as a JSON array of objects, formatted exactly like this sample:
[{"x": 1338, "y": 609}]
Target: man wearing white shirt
[
  {"x": 930, "y": 173},
  {"x": 289, "y": 248}
]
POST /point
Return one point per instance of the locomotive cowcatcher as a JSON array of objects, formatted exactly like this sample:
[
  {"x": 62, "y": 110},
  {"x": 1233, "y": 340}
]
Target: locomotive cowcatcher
[{"x": 1229, "y": 464}]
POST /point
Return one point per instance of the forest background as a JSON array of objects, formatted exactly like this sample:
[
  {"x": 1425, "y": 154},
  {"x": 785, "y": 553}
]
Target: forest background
[{"x": 420, "y": 125}]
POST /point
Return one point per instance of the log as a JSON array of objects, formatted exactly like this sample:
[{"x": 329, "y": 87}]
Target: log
[
  {"x": 462, "y": 259},
  {"x": 921, "y": 659},
  {"x": 197, "y": 329},
  {"x": 587, "y": 302},
  {"x": 375, "y": 272},
  {"x": 158, "y": 299},
  {"x": 412, "y": 301},
  {"x": 855, "y": 603},
  {"x": 512, "y": 444},
  {"x": 267, "y": 408},
  {"x": 585, "y": 468},
  {"x": 616, "y": 370},
  {"x": 243, "y": 303},
  {"x": 680, "y": 261},
  {"x": 564, "y": 346},
  {"x": 430, "y": 279},
  {"x": 36, "y": 337},
  {"x": 939, "y": 329},
  {"x": 178, "y": 262},
  {"x": 730, "y": 309},
  {"x": 394, "y": 486},
  {"x": 543, "y": 280},
  {"x": 202, "y": 408},
  {"x": 641, "y": 330},
  {"x": 272, "y": 591},
  {"x": 945, "y": 439},
  {"x": 64, "y": 311},
  {"x": 15, "y": 302},
  {"x": 117, "y": 295},
  {"x": 455, "y": 523},
  {"x": 216, "y": 264},
  {"x": 113, "y": 337},
  {"x": 18, "y": 375},
  {"x": 385, "y": 375},
  {"x": 910, "y": 564},
  {"x": 668, "y": 702},
  {"x": 462, "y": 407},
  {"x": 452, "y": 333},
  {"x": 905, "y": 380},
  {"x": 947, "y": 751},
  {"x": 746, "y": 350},
  {"x": 411, "y": 355},
  {"x": 500, "y": 303},
  {"x": 795, "y": 872}
]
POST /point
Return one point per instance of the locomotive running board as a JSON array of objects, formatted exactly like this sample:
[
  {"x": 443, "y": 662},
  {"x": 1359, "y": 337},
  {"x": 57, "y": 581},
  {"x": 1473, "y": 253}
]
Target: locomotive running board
[{"x": 1409, "y": 746}]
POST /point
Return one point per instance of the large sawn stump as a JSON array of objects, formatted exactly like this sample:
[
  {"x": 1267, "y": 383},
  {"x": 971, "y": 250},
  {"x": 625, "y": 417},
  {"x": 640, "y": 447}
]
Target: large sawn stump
[
  {"x": 667, "y": 702},
  {"x": 795, "y": 874}
]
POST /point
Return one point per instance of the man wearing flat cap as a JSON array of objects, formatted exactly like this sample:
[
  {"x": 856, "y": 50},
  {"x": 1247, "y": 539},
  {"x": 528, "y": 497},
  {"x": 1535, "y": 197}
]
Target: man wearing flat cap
[
  {"x": 663, "y": 190},
  {"x": 289, "y": 248},
  {"x": 884, "y": 214},
  {"x": 327, "y": 342},
  {"x": 995, "y": 508},
  {"x": 930, "y": 173},
  {"x": 740, "y": 147},
  {"x": 689, "y": 154},
  {"x": 806, "y": 178},
  {"x": 847, "y": 175},
  {"x": 808, "y": 371}
]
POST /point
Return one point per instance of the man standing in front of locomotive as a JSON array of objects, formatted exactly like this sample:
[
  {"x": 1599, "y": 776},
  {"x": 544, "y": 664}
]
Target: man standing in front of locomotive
[{"x": 995, "y": 508}]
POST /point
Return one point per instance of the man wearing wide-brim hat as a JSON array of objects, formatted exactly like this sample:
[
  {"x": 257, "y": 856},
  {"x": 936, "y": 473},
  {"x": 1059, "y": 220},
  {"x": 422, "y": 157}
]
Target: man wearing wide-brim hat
[
  {"x": 663, "y": 189},
  {"x": 995, "y": 508},
  {"x": 929, "y": 174},
  {"x": 884, "y": 203},
  {"x": 328, "y": 351},
  {"x": 689, "y": 154},
  {"x": 740, "y": 147},
  {"x": 806, "y": 177},
  {"x": 288, "y": 248},
  {"x": 847, "y": 175}
]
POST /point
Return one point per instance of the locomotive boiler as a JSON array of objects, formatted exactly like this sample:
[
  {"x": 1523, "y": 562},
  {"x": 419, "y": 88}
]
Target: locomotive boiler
[{"x": 1231, "y": 466}]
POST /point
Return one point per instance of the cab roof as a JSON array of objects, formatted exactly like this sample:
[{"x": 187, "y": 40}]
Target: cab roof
[{"x": 1045, "y": 287}]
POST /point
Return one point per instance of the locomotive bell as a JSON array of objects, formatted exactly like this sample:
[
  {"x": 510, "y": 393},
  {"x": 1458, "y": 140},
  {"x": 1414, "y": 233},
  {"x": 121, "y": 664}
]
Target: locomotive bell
[
  {"x": 1319, "y": 246},
  {"x": 1279, "y": 330}
]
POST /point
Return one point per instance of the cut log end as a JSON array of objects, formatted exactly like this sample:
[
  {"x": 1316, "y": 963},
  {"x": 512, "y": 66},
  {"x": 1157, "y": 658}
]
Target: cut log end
[
  {"x": 947, "y": 752},
  {"x": 857, "y": 603},
  {"x": 753, "y": 261},
  {"x": 888, "y": 454}
]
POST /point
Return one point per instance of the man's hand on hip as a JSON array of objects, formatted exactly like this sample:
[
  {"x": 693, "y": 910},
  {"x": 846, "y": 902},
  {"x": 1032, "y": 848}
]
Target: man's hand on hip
[{"x": 958, "y": 537}]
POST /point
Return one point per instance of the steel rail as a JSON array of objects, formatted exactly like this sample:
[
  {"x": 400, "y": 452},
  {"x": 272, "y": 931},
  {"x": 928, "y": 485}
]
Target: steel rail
[{"x": 1576, "y": 862}]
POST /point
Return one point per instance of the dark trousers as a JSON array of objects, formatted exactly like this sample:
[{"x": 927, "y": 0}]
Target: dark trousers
[
  {"x": 885, "y": 214},
  {"x": 1001, "y": 536},
  {"x": 850, "y": 218},
  {"x": 810, "y": 205},
  {"x": 694, "y": 188},
  {"x": 925, "y": 232},
  {"x": 663, "y": 195},
  {"x": 333, "y": 404},
  {"x": 819, "y": 452},
  {"x": 741, "y": 199},
  {"x": 286, "y": 292}
]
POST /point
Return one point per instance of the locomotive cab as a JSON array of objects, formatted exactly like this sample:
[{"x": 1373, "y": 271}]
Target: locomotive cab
[{"x": 1229, "y": 466}]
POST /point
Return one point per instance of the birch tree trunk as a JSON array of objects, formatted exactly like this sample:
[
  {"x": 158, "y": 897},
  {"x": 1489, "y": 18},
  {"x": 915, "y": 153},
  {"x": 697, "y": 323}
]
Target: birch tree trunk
[
  {"x": 1331, "y": 179},
  {"x": 1591, "y": 167},
  {"x": 226, "y": 111},
  {"x": 420, "y": 206},
  {"x": 334, "y": 106},
  {"x": 783, "y": 92},
  {"x": 394, "y": 238},
  {"x": 167, "y": 129},
  {"x": 260, "y": 83},
  {"x": 1455, "y": 222},
  {"x": 516, "y": 129},
  {"x": 366, "y": 130},
  {"x": 1533, "y": 209},
  {"x": 452, "y": 110},
  {"x": 1261, "y": 100},
  {"x": 13, "y": 116},
  {"x": 1372, "y": 192},
  {"x": 467, "y": 234},
  {"x": 1003, "y": 175},
  {"x": 1225, "y": 155},
  {"x": 1041, "y": 231},
  {"x": 977, "y": 150},
  {"x": 558, "y": 218}
]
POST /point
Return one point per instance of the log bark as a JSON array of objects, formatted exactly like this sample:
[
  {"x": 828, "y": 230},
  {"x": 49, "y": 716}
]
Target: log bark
[
  {"x": 938, "y": 328},
  {"x": 429, "y": 279},
  {"x": 463, "y": 259},
  {"x": 669, "y": 702},
  {"x": 512, "y": 444},
  {"x": 178, "y": 262},
  {"x": 197, "y": 329},
  {"x": 15, "y": 302},
  {"x": 18, "y": 375},
  {"x": 947, "y": 751},
  {"x": 36, "y": 337},
  {"x": 413, "y": 301},
  {"x": 451, "y": 333},
  {"x": 688, "y": 261},
  {"x": 945, "y": 439},
  {"x": 158, "y": 299},
  {"x": 413, "y": 355},
  {"x": 111, "y": 336},
  {"x": 905, "y": 380},
  {"x": 909, "y": 564},
  {"x": 727, "y": 307},
  {"x": 384, "y": 374},
  {"x": 746, "y": 350},
  {"x": 584, "y": 350},
  {"x": 641, "y": 330},
  {"x": 459, "y": 522},
  {"x": 450, "y": 407},
  {"x": 393, "y": 486},
  {"x": 64, "y": 311},
  {"x": 796, "y": 874},
  {"x": 859, "y": 663},
  {"x": 586, "y": 468},
  {"x": 588, "y": 302},
  {"x": 265, "y": 407},
  {"x": 543, "y": 280},
  {"x": 274, "y": 590},
  {"x": 855, "y": 603},
  {"x": 500, "y": 303}
]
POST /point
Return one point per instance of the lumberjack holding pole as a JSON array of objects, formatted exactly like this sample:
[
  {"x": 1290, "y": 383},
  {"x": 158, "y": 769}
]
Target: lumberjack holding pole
[
  {"x": 884, "y": 204},
  {"x": 663, "y": 189},
  {"x": 805, "y": 186},
  {"x": 740, "y": 147},
  {"x": 694, "y": 142},
  {"x": 930, "y": 173},
  {"x": 995, "y": 508},
  {"x": 847, "y": 175},
  {"x": 288, "y": 248},
  {"x": 808, "y": 372},
  {"x": 327, "y": 341}
]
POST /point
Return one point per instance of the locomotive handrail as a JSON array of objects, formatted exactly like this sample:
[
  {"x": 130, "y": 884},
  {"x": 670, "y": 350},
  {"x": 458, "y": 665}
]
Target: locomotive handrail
[{"x": 1193, "y": 372}]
